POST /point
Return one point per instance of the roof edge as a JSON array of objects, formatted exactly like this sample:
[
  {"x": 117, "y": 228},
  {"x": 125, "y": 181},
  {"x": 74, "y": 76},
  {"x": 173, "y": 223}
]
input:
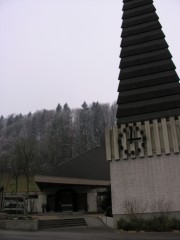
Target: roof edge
[{"x": 72, "y": 181}]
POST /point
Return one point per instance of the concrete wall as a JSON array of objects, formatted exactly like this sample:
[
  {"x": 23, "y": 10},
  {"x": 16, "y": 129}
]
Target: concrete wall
[
  {"x": 92, "y": 201},
  {"x": 107, "y": 220},
  {"x": 152, "y": 183},
  {"x": 42, "y": 199},
  {"x": 37, "y": 202},
  {"x": 30, "y": 225}
]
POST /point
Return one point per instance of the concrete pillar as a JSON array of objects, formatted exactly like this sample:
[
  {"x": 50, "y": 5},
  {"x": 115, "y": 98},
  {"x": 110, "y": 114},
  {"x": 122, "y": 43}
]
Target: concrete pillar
[{"x": 92, "y": 201}]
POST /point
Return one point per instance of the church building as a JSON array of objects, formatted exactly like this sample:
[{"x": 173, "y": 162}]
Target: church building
[{"x": 143, "y": 148}]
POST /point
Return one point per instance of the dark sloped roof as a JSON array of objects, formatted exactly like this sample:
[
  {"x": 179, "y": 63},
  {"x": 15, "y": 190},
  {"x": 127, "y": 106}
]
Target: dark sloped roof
[
  {"x": 89, "y": 165},
  {"x": 149, "y": 86}
]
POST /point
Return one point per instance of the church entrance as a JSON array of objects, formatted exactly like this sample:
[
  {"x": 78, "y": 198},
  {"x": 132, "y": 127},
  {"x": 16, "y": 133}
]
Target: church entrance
[
  {"x": 64, "y": 201},
  {"x": 67, "y": 200}
]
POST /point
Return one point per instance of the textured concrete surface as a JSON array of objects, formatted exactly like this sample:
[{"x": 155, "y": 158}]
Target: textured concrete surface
[
  {"x": 151, "y": 181},
  {"x": 28, "y": 225}
]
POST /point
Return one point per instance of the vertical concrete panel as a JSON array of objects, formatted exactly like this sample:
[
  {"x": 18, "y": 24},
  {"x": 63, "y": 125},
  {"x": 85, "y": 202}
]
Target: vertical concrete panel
[
  {"x": 140, "y": 148},
  {"x": 124, "y": 141},
  {"x": 157, "y": 137},
  {"x": 116, "y": 146},
  {"x": 132, "y": 143},
  {"x": 42, "y": 199},
  {"x": 108, "y": 144},
  {"x": 165, "y": 136},
  {"x": 174, "y": 135},
  {"x": 92, "y": 201},
  {"x": 148, "y": 136}
]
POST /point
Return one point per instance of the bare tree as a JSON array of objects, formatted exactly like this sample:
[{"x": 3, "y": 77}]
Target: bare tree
[
  {"x": 16, "y": 167},
  {"x": 134, "y": 206},
  {"x": 161, "y": 206}
]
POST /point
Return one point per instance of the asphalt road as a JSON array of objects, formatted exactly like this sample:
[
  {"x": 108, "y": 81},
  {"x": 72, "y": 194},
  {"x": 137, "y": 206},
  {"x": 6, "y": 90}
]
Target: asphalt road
[{"x": 85, "y": 234}]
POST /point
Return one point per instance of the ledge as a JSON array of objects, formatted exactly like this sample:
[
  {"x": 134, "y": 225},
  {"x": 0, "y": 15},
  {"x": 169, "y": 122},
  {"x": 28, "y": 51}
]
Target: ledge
[{"x": 16, "y": 224}]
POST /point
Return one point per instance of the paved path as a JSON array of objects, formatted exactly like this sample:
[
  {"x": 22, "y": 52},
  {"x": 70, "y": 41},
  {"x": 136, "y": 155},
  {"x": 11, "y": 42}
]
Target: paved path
[{"x": 85, "y": 234}]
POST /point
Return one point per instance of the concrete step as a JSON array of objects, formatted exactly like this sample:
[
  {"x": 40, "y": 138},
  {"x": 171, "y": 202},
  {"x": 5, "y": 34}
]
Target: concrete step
[{"x": 61, "y": 223}]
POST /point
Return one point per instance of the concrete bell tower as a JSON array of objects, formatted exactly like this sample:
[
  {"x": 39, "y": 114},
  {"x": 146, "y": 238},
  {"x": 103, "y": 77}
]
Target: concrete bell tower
[{"x": 143, "y": 148}]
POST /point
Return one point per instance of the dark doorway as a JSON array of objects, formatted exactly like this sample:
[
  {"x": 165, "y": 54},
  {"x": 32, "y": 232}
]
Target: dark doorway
[
  {"x": 64, "y": 201},
  {"x": 50, "y": 203},
  {"x": 81, "y": 202},
  {"x": 69, "y": 200}
]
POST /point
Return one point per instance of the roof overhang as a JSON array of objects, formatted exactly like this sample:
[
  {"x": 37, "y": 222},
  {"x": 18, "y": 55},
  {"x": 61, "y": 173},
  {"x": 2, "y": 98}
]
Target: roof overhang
[{"x": 70, "y": 181}]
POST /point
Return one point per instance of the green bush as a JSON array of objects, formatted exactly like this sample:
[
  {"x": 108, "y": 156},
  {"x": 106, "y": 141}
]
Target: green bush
[
  {"x": 156, "y": 224},
  {"x": 133, "y": 223},
  {"x": 175, "y": 224}
]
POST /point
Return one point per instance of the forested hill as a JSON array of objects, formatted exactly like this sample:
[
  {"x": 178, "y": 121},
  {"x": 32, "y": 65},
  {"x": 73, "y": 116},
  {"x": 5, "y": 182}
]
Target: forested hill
[{"x": 39, "y": 141}]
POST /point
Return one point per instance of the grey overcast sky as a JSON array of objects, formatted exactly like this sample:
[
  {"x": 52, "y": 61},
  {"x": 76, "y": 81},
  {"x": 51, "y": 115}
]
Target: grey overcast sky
[{"x": 58, "y": 51}]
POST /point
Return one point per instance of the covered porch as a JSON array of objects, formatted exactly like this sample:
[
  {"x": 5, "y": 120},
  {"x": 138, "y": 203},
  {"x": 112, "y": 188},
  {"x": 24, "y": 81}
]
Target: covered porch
[{"x": 70, "y": 194}]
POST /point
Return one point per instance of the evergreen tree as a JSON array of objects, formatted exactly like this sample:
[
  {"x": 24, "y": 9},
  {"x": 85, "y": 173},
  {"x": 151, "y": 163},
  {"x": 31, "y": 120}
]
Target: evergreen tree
[
  {"x": 67, "y": 132},
  {"x": 58, "y": 108}
]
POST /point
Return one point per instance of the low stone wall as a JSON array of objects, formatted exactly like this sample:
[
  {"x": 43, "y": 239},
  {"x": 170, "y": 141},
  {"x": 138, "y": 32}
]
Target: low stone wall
[
  {"x": 3, "y": 215},
  {"x": 108, "y": 221},
  {"x": 16, "y": 224}
]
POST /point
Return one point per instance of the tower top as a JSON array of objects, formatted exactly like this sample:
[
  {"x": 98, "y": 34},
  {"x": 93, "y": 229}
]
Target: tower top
[{"x": 149, "y": 85}]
